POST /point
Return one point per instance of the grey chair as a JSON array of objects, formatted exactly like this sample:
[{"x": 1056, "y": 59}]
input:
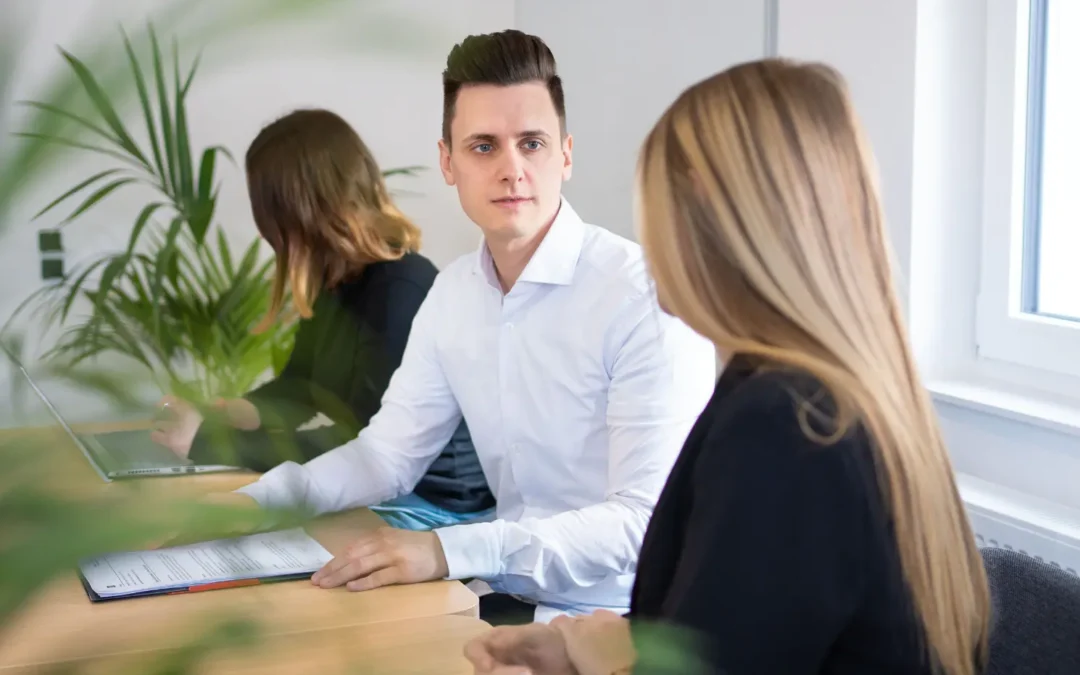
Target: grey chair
[{"x": 1035, "y": 628}]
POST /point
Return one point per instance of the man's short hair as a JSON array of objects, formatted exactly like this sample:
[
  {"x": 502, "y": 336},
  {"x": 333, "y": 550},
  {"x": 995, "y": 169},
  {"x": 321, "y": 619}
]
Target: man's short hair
[{"x": 505, "y": 58}]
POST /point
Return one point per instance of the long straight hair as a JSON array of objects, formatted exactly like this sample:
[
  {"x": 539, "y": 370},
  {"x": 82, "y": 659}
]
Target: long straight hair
[
  {"x": 761, "y": 221},
  {"x": 320, "y": 201}
]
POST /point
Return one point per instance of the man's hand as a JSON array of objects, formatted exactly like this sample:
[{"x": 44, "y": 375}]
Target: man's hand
[
  {"x": 384, "y": 557},
  {"x": 535, "y": 648}
]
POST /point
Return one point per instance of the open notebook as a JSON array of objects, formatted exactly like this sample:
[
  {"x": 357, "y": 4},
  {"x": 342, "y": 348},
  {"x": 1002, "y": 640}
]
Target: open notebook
[{"x": 225, "y": 563}]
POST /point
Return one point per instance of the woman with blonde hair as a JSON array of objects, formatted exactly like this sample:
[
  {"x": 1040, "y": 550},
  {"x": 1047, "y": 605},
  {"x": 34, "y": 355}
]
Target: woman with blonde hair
[
  {"x": 811, "y": 523},
  {"x": 347, "y": 260}
]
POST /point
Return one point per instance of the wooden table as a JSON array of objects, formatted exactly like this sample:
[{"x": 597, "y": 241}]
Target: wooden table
[
  {"x": 427, "y": 646},
  {"x": 295, "y": 618}
]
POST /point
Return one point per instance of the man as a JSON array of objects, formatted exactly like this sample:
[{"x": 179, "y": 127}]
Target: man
[{"x": 579, "y": 391}]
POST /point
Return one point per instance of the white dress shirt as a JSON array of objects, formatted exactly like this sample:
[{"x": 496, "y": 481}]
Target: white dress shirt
[{"x": 578, "y": 392}]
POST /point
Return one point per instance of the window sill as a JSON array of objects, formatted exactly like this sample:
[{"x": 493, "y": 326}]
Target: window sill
[{"x": 1058, "y": 414}]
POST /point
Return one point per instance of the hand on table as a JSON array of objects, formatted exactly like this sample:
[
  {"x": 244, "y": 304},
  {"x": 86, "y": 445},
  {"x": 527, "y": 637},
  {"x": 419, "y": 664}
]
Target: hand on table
[
  {"x": 598, "y": 644},
  {"x": 533, "y": 649},
  {"x": 176, "y": 430},
  {"x": 384, "y": 557}
]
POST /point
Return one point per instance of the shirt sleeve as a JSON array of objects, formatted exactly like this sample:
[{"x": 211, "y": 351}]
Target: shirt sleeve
[
  {"x": 772, "y": 564},
  {"x": 416, "y": 420},
  {"x": 662, "y": 375}
]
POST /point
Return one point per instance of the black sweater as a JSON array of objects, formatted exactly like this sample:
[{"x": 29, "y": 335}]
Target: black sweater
[
  {"x": 775, "y": 550},
  {"x": 340, "y": 366}
]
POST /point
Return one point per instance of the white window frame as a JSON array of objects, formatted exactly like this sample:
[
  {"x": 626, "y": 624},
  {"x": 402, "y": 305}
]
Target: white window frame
[{"x": 1005, "y": 332}]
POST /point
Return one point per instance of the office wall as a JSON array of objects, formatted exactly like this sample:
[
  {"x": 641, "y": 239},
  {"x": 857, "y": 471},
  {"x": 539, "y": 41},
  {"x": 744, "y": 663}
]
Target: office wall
[{"x": 622, "y": 63}]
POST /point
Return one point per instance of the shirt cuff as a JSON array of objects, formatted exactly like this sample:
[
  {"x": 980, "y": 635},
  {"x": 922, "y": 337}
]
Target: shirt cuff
[
  {"x": 283, "y": 487},
  {"x": 473, "y": 550}
]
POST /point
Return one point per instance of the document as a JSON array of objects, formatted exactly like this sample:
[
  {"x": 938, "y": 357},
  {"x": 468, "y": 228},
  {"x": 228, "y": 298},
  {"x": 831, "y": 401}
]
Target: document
[{"x": 268, "y": 555}]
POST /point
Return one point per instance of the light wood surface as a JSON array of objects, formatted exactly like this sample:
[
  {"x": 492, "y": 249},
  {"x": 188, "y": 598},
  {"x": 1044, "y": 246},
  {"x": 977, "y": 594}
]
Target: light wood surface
[
  {"x": 62, "y": 625},
  {"x": 429, "y": 646}
]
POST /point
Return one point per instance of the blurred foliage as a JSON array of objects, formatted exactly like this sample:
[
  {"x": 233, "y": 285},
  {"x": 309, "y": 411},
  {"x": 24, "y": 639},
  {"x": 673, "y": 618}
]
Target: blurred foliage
[{"x": 45, "y": 527}]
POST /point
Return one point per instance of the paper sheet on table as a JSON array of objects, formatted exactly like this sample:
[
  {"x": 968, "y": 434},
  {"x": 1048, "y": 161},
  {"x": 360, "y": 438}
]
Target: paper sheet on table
[{"x": 256, "y": 556}]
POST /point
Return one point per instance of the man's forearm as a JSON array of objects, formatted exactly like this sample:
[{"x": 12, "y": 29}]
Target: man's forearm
[{"x": 578, "y": 548}]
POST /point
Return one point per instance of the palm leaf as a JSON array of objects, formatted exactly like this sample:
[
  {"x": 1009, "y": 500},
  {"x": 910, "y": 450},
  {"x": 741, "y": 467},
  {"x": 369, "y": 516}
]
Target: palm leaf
[
  {"x": 104, "y": 107},
  {"x": 166, "y": 117},
  {"x": 97, "y": 196},
  {"x": 144, "y": 101},
  {"x": 78, "y": 188},
  {"x": 183, "y": 143},
  {"x": 45, "y": 139}
]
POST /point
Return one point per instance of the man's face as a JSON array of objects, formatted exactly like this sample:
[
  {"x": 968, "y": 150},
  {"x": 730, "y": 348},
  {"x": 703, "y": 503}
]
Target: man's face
[{"x": 506, "y": 157}]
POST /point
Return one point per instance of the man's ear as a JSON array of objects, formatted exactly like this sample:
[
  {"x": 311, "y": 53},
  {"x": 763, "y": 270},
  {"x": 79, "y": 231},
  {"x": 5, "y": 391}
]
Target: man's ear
[
  {"x": 568, "y": 157},
  {"x": 444, "y": 162}
]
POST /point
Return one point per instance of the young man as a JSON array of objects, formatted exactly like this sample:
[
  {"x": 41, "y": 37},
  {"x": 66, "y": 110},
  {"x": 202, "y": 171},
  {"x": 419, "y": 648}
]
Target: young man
[{"x": 579, "y": 391}]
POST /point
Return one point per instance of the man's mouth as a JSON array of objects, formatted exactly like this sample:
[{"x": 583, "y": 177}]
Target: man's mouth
[{"x": 509, "y": 201}]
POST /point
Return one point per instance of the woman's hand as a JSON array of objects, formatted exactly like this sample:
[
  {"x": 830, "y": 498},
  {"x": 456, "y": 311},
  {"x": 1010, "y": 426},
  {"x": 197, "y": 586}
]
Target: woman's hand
[
  {"x": 240, "y": 413},
  {"x": 177, "y": 426},
  {"x": 598, "y": 644},
  {"x": 181, "y": 421},
  {"x": 533, "y": 649}
]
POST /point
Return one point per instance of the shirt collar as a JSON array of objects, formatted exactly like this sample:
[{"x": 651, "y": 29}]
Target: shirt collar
[{"x": 555, "y": 258}]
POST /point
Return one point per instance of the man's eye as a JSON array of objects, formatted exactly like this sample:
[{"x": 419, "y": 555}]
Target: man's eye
[
  {"x": 483, "y": 148},
  {"x": 533, "y": 145}
]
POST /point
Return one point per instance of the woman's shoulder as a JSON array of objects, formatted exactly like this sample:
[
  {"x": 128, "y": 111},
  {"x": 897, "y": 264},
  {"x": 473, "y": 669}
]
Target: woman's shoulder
[
  {"x": 412, "y": 272},
  {"x": 788, "y": 415},
  {"x": 411, "y": 268}
]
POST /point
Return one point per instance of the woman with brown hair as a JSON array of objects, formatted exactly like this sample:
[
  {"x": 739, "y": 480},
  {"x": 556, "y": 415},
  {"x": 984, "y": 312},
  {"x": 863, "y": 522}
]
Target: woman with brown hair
[
  {"x": 347, "y": 258},
  {"x": 811, "y": 523}
]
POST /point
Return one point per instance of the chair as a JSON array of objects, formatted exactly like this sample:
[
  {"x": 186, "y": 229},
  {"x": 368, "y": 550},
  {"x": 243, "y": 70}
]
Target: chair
[{"x": 1035, "y": 628}]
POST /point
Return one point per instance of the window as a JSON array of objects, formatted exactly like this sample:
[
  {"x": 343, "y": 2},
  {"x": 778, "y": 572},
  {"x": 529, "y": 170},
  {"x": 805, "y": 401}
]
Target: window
[
  {"x": 1053, "y": 211},
  {"x": 1029, "y": 302}
]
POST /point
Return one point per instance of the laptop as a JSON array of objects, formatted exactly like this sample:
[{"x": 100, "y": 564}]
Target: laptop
[{"x": 121, "y": 454}]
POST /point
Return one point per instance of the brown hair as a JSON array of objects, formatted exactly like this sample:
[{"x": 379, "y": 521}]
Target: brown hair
[
  {"x": 505, "y": 58},
  {"x": 320, "y": 201},
  {"x": 763, "y": 228}
]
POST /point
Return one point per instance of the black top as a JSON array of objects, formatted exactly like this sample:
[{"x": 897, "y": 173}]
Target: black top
[
  {"x": 341, "y": 365},
  {"x": 776, "y": 550}
]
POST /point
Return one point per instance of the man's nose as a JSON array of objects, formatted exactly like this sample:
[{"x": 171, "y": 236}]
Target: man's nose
[{"x": 511, "y": 167}]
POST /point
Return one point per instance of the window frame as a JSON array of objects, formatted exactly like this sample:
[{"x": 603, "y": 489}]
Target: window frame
[{"x": 1007, "y": 329}]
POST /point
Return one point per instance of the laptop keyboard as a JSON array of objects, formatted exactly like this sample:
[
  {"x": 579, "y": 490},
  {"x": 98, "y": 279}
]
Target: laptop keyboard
[{"x": 130, "y": 450}]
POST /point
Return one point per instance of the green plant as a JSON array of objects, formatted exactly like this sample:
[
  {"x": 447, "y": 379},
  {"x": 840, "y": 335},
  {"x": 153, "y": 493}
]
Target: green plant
[{"x": 177, "y": 300}]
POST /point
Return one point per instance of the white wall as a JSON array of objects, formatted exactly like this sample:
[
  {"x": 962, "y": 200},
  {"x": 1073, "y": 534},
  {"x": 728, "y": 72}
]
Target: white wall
[
  {"x": 623, "y": 62},
  {"x": 917, "y": 76}
]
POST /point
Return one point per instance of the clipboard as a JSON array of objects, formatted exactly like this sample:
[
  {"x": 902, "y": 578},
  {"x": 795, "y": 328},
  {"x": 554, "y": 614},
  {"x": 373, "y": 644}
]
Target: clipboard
[
  {"x": 249, "y": 560},
  {"x": 183, "y": 590}
]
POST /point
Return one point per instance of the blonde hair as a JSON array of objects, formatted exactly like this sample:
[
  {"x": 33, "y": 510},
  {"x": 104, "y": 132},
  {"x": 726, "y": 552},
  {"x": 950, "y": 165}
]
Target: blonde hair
[
  {"x": 320, "y": 201},
  {"x": 762, "y": 225}
]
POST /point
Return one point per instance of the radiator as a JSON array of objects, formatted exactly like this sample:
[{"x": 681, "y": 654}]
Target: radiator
[{"x": 1004, "y": 518}]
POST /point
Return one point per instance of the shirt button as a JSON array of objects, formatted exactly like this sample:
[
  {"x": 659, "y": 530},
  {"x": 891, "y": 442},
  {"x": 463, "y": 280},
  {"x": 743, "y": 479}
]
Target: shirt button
[{"x": 510, "y": 325}]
